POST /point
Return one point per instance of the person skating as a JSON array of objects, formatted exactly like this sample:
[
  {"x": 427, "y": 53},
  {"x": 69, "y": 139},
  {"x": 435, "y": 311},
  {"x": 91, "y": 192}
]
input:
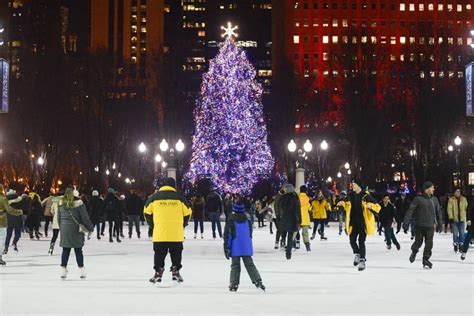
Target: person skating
[
  {"x": 5, "y": 209},
  {"x": 72, "y": 214},
  {"x": 34, "y": 215},
  {"x": 14, "y": 222},
  {"x": 457, "y": 211},
  {"x": 198, "y": 204},
  {"x": 56, "y": 201},
  {"x": 168, "y": 212},
  {"x": 342, "y": 205},
  {"x": 279, "y": 237},
  {"x": 133, "y": 208},
  {"x": 402, "y": 203},
  {"x": 112, "y": 210},
  {"x": 214, "y": 209},
  {"x": 48, "y": 217},
  {"x": 360, "y": 221},
  {"x": 290, "y": 216},
  {"x": 320, "y": 208},
  {"x": 470, "y": 228},
  {"x": 238, "y": 245},
  {"x": 305, "y": 216},
  {"x": 96, "y": 211},
  {"x": 426, "y": 210},
  {"x": 387, "y": 217}
]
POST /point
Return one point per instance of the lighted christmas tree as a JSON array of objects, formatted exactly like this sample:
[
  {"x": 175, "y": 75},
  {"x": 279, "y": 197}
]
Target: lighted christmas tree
[{"x": 230, "y": 140}]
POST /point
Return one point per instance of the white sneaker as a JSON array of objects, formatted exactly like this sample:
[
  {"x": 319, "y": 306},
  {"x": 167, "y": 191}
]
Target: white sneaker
[
  {"x": 83, "y": 273},
  {"x": 63, "y": 273}
]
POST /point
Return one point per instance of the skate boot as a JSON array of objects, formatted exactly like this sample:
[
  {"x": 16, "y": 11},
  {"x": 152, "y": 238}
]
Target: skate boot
[
  {"x": 175, "y": 275},
  {"x": 2, "y": 263},
  {"x": 195, "y": 236},
  {"x": 297, "y": 244},
  {"x": 118, "y": 239},
  {"x": 15, "y": 247},
  {"x": 427, "y": 264},
  {"x": 259, "y": 285},
  {"x": 398, "y": 246},
  {"x": 37, "y": 235},
  {"x": 82, "y": 273},
  {"x": 361, "y": 265},
  {"x": 276, "y": 245},
  {"x": 389, "y": 247},
  {"x": 455, "y": 248},
  {"x": 5, "y": 251},
  {"x": 356, "y": 260},
  {"x": 158, "y": 276},
  {"x": 282, "y": 245},
  {"x": 463, "y": 256},
  {"x": 51, "y": 249},
  {"x": 233, "y": 287},
  {"x": 340, "y": 231},
  {"x": 202, "y": 236},
  {"x": 323, "y": 238},
  {"x": 138, "y": 235},
  {"x": 63, "y": 273},
  {"x": 412, "y": 256},
  {"x": 46, "y": 233},
  {"x": 308, "y": 246},
  {"x": 313, "y": 236}
]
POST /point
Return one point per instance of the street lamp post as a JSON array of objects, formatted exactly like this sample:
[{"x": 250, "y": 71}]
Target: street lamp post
[
  {"x": 323, "y": 147},
  {"x": 307, "y": 147},
  {"x": 413, "y": 158},
  {"x": 171, "y": 168},
  {"x": 458, "y": 142}
]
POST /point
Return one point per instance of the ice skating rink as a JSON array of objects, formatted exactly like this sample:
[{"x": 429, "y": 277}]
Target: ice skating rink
[{"x": 321, "y": 282}]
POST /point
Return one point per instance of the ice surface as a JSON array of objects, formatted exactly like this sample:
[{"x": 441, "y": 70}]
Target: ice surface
[{"x": 316, "y": 283}]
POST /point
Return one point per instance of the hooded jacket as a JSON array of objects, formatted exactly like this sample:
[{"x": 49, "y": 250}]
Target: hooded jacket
[
  {"x": 425, "y": 209},
  {"x": 305, "y": 209},
  {"x": 455, "y": 213},
  {"x": 291, "y": 212},
  {"x": 238, "y": 234},
  {"x": 367, "y": 214},
  {"x": 320, "y": 208},
  {"x": 5, "y": 209}
]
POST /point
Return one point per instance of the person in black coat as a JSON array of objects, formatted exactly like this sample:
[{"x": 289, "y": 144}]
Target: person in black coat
[
  {"x": 14, "y": 223},
  {"x": 291, "y": 216},
  {"x": 96, "y": 211},
  {"x": 112, "y": 211},
  {"x": 34, "y": 215},
  {"x": 387, "y": 216},
  {"x": 133, "y": 207},
  {"x": 401, "y": 204}
]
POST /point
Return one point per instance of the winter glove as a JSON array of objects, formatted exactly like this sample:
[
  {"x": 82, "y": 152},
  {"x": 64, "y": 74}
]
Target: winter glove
[
  {"x": 226, "y": 252},
  {"x": 405, "y": 228}
]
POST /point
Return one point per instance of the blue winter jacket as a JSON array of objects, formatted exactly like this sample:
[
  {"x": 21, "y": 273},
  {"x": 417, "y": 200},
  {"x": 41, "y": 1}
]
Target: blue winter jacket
[{"x": 238, "y": 235}]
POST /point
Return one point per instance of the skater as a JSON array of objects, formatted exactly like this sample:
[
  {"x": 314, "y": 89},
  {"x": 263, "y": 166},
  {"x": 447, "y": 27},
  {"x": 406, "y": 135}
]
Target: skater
[
  {"x": 112, "y": 210},
  {"x": 48, "y": 217},
  {"x": 55, "y": 224},
  {"x": 290, "y": 216},
  {"x": 198, "y": 205},
  {"x": 387, "y": 217},
  {"x": 168, "y": 212},
  {"x": 457, "y": 209},
  {"x": 470, "y": 228},
  {"x": 238, "y": 245},
  {"x": 14, "y": 222},
  {"x": 34, "y": 215},
  {"x": 342, "y": 206},
  {"x": 360, "y": 221},
  {"x": 305, "y": 207},
  {"x": 72, "y": 215},
  {"x": 401, "y": 204},
  {"x": 279, "y": 238},
  {"x": 214, "y": 208},
  {"x": 320, "y": 208},
  {"x": 427, "y": 213},
  {"x": 133, "y": 207},
  {"x": 96, "y": 211},
  {"x": 5, "y": 209}
]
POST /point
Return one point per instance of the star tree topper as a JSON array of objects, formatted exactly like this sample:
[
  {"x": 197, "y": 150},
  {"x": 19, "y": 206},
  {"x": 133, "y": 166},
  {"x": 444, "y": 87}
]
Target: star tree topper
[{"x": 229, "y": 31}]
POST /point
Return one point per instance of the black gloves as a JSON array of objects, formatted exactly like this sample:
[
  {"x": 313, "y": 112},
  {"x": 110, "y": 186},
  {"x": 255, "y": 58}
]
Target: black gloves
[{"x": 226, "y": 251}]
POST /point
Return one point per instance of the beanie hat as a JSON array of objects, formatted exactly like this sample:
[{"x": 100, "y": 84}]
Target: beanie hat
[
  {"x": 238, "y": 208},
  {"x": 170, "y": 182},
  {"x": 427, "y": 185},
  {"x": 303, "y": 189},
  {"x": 289, "y": 188},
  {"x": 95, "y": 193},
  {"x": 359, "y": 182}
]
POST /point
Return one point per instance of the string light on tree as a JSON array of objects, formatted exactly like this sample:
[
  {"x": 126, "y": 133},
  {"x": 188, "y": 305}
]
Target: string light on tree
[{"x": 229, "y": 31}]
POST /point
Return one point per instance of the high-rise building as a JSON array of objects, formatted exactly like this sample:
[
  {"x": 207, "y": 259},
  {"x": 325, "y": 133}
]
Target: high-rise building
[
  {"x": 324, "y": 41},
  {"x": 192, "y": 36}
]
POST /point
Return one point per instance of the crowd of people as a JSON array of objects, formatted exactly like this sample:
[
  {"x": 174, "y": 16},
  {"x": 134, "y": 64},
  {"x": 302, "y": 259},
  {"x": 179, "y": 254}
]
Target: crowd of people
[{"x": 290, "y": 215}]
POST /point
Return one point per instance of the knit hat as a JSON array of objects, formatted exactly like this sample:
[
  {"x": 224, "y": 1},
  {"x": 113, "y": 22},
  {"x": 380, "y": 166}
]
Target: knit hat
[
  {"x": 303, "y": 189},
  {"x": 95, "y": 193},
  {"x": 427, "y": 185},
  {"x": 238, "y": 208},
  {"x": 359, "y": 182},
  {"x": 170, "y": 182},
  {"x": 289, "y": 188}
]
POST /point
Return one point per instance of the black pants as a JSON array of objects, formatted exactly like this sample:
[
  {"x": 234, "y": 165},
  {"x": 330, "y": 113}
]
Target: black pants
[
  {"x": 133, "y": 220},
  {"x": 16, "y": 238},
  {"x": 113, "y": 228},
  {"x": 289, "y": 241},
  {"x": 79, "y": 257},
  {"x": 47, "y": 220},
  {"x": 321, "y": 223},
  {"x": 198, "y": 223},
  {"x": 55, "y": 235},
  {"x": 278, "y": 229},
  {"x": 103, "y": 227},
  {"x": 426, "y": 234},
  {"x": 357, "y": 239},
  {"x": 390, "y": 236},
  {"x": 161, "y": 251}
]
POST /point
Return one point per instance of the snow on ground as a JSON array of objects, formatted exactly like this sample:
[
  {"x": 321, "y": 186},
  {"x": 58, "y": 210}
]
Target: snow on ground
[{"x": 316, "y": 283}]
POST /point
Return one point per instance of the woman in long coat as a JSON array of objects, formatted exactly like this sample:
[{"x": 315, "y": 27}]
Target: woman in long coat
[{"x": 72, "y": 213}]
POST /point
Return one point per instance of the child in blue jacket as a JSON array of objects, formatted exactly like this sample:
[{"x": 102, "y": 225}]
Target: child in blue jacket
[{"x": 238, "y": 244}]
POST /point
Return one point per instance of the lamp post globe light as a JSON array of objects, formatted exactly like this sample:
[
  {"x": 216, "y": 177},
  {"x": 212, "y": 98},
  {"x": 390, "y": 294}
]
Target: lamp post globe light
[
  {"x": 347, "y": 166},
  {"x": 40, "y": 161},
  {"x": 179, "y": 145},
  {"x": 450, "y": 148},
  {"x": 457, "y": 141},
  {"x": 142, "y": 148},
  {"x": 171, "y": 168},
  {"x": 301, "y": 157},
  {"x": 324, "y": 145},
  {"x": 164, "y": 145}
]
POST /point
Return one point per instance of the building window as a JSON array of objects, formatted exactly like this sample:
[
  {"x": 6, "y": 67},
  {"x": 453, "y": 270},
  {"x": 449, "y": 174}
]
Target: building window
[
  {"x": 422, "y": 40},
  {"x": 412, "y": 7},
  {"x": 449, "y": 7},
  {"x": 431, "y": 41},
  {"x": 345, "y": 39},
  {"x": 297, "y": 24},
  {"x": 412, "y": 40},
  {"x": 344, "y": 23},
  {"x": 373, "y": 23},
  {"x": 305, "y": 56},
  {"x": 421, "y": 7},
  {"x": 325, "y": 23},
  {"x": 325, "y": 39},
  {"x": 306, "y": 39},
  {"x": 402, "y": 40},
  {"x": 315, "y": 5},
  {"x": 334, "y": 5},
  {"x": 430, "y": 7},
  {"x": 296, "y": 39},
  {"x": 325, "y": 56},
  {"x": 440, "y": 40},
  {"x": 315, "y": 56},
  {"x": 459, "y": 7},
  {"x": 459, "y": 41},
  {"x": 468, "y": 7},
  {"x": 440, "y": 7},
  {"x": 363, "y": 39},
  {"x": 373, "y": 39},
  {"x": 354, "y": 40},
  {"x": 402, "y": 6},
  {"x": 325, "y": 5},
  {"x": 334, "y": 23},
  {"x": 315, "y": 39},
  {"x": 335, "y": 39},
  {"x": 201, "y": 33},
  {"x": 393, "y": 40}
]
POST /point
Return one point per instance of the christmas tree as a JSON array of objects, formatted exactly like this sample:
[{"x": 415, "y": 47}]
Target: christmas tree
[{"x": 230, "y": 140}]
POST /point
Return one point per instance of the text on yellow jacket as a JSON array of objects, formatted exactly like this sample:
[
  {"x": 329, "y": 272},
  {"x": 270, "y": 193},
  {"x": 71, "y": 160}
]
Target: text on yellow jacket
[
  {"x": 169, "y": 213},
  {"x": 305, "y": 209}
]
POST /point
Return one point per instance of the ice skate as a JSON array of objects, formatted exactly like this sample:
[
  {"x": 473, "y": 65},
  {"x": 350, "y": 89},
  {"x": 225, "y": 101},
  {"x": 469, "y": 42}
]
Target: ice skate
[
  {"x": 5, "y": 251},
  {"x": 176, "y": 276},
  {"x": 276, "y": 245},
  {"x": 297, "y": 244},
  {"x": 233, "y": 287},
  {"x": 308, "y": 246},
  {"x": 356, "y": 260},
  {"x": 361, "y": 265},
  {"x": 412, "y": 257},
  {"x": 202, "y": 236},
  {"x": 455, "y": 248},
  {"x": 15, "y": 247},
  {"x": 463, "y": 256},
  {"x": 259, "y": 285},
  {"x": 82, "y": 273},
  {"x": 63, "y": 273},
  {"x": 323, "y": 238},
  {"x": 389, "y": 247},
  {"x": 195, "y": 236},
  {"x": 158, "y": 276},
  {"x": 313, "y": 236},
  {"x": 2, "y": 263},
  {"x": 427, "y": 264},
  {"x": 51, "y": 249}
]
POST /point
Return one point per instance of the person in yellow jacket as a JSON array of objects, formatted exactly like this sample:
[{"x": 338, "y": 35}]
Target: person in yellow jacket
[
  {"x": 320, "y": 208},
  {"x": 457, "y": 211},
  {"x": 360, "y": 221},
  {"x": 168, "y": 213},
  {"x": 305, "y": 218}
]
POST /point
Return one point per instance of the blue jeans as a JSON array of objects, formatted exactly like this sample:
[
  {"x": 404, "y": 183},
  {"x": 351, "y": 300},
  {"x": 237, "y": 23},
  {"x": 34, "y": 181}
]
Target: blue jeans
[
  {"x": 216, "y": 221},
  {"x": 10, "y": 231},
  {"x": 390, "y": 236},
  {"x": 79, "y": 257},
  {"x": 467, "y": 239},
  {"x": 458, "y": 232}
]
